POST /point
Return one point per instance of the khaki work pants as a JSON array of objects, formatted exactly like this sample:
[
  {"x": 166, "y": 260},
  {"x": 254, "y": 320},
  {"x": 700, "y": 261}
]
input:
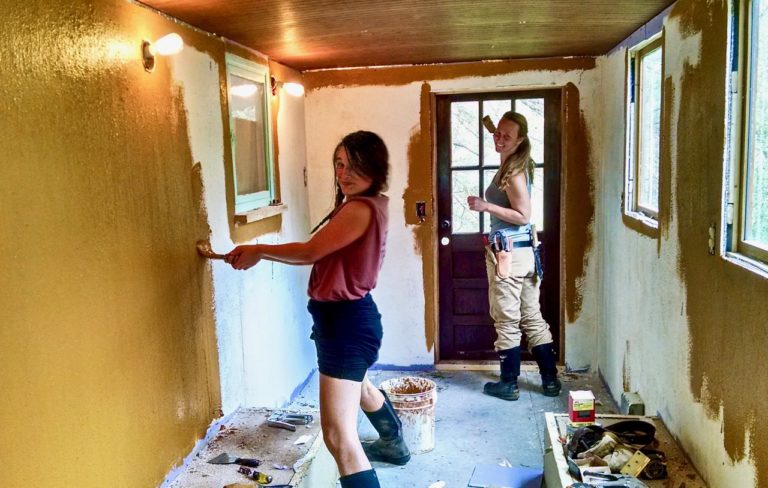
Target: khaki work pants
[{"x": 514, "y": 301}]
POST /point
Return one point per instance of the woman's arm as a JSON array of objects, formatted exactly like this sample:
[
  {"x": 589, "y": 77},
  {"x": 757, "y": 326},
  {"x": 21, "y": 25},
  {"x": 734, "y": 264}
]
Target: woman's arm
[
  {"x": 342, "y": 230},
  {"x": 519, "y": 200}
]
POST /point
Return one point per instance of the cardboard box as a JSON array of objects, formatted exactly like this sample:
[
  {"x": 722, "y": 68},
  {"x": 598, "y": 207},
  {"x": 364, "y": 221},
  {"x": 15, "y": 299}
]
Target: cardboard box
[{"x": 581, "y": 407}]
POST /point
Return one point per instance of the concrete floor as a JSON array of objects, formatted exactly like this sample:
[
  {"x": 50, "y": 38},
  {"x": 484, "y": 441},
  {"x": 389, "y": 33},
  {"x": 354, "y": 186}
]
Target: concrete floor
[{"x": 471, "y": 428}]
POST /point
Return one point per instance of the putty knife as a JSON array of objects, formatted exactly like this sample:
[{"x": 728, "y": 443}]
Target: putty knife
[{"x": 225, "y": 458}]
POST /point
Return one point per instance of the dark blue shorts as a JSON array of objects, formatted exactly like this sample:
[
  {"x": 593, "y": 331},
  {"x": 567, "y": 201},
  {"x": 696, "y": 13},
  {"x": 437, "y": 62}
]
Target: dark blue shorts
[{"x": 347, "y": 336}]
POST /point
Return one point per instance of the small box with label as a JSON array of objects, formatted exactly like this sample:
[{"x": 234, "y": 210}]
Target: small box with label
[{"x": 581, "y": 407}]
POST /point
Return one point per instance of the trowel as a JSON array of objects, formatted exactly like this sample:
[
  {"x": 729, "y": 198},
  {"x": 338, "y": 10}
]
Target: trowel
[{"x": 225, "y": 458}]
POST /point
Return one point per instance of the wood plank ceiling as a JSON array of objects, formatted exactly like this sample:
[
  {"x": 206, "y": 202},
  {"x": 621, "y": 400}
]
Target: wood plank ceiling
[{"x": 317, "y": 34}]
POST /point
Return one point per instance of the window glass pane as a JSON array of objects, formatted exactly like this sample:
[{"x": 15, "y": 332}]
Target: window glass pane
[
  {"x": 465, "y": 183},
  {"x": 650, "y": 130},
  {"x": 246, "y": 106},
  {"x": 756, "y": 190},
  {"x": 533, "y": 110},
  {"x": 494, "y": 109},
  {"x": 465, "y": 145}
]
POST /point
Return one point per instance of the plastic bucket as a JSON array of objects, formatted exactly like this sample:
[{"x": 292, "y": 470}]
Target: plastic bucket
[{"x": 414, "y": 400}]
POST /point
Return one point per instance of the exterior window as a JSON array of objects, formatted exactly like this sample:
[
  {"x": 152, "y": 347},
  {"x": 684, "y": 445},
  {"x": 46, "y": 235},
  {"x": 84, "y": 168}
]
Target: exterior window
[
  {"x": 748, "y": 223},
  {"x": 250, "y": 127},
  {"x": 644, "y": 129}
]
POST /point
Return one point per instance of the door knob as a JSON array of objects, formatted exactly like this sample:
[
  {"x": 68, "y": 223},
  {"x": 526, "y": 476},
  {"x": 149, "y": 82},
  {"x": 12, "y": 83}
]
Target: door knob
[{"x": 445, "y": 224}]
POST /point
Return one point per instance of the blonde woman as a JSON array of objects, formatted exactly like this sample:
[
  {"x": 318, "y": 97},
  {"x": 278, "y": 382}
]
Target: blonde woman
[{"x": 513, "y": 280}]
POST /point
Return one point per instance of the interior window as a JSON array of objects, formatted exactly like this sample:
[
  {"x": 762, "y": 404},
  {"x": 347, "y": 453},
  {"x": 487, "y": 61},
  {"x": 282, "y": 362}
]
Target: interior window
[
  {"x": 248, "y": 96},
  {"x": 644, "y": 130}
]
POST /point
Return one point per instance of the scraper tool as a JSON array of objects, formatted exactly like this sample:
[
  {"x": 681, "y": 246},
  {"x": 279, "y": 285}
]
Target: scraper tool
[{"x": 225, "y": 458}]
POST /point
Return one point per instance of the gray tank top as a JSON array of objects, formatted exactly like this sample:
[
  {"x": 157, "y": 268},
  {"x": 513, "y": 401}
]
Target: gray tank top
[{"x": 516, "y": 232}]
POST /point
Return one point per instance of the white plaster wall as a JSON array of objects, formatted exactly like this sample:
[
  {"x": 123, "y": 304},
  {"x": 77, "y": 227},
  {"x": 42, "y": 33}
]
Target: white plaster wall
[
  {"x": 643, "y": 323},
  {"x": 262, "y": 329},
  {"x": 278, "y": 355},
  {"x": 393, "y": 113}
]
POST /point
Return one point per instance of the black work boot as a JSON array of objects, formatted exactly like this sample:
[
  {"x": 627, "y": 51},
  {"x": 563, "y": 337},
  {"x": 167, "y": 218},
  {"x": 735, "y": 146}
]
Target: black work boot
[
  {"x": 390, "y": 446},
  {"x": 545, "y": 358},
  {"x": 506, "y": 389}
]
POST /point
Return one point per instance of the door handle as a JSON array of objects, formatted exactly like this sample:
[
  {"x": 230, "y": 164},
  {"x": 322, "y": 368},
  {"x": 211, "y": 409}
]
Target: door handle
[{"x": 445, "y": 224}]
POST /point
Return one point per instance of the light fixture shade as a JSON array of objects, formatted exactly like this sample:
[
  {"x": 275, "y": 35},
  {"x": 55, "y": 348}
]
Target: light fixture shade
[
  {"x": 168, "y": 44},
  {"x": 293, "y": 89}
]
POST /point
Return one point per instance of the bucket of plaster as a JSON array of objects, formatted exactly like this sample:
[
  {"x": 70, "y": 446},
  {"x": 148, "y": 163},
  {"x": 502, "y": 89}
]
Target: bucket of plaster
[{"x": 414, "y": 401}]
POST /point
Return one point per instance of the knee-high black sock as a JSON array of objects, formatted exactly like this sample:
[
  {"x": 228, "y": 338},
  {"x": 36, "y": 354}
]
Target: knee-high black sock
[{"x": 362, "y": 479}]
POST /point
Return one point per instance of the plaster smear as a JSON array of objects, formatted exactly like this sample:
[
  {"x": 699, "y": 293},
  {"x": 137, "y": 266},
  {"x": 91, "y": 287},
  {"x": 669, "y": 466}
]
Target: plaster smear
[
  {"x": 726, "y": 308},
  {"x": 197, "y": 75}
]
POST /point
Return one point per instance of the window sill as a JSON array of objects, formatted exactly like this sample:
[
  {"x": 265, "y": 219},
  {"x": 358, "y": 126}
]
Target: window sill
[
  {"x": 758, "y": 267},
  {"x": 641, "y": 223},
  {"x": 262, "y": 213}
]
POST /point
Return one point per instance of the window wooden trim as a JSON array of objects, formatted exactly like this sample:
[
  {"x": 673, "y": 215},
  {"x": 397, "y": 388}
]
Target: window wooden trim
[
  {"x": 245, "y": 205},
  {"x": 755, "y": 254},
  {"x": 634, "y": 215}
]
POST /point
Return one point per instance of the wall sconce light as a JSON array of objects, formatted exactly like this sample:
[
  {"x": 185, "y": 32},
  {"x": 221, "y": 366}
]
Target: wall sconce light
[
  {"x": 165, "y": 46},
  {"x": 291, "y": 88}
]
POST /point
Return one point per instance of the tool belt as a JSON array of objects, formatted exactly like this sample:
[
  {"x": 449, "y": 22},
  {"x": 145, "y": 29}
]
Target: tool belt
[{"x": 501, "y": 245}]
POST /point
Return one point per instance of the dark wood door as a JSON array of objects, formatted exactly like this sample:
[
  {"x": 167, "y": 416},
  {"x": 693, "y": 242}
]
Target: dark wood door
[{"x": 467, "y": 163}]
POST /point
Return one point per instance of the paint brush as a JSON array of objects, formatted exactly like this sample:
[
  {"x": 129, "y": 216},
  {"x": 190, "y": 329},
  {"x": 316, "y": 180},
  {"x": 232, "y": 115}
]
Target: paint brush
[{"x": 204, "y": 249}]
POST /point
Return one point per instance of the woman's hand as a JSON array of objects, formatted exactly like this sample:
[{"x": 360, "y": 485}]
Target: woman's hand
[
  {"x": 477, "y": 204},
  {"x": 243, "y": 257}
]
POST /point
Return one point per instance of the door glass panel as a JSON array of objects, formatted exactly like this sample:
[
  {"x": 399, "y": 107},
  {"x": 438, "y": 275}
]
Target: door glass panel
[
  {"x": 488, "y": 175},
  {"x": 465, "y": 183},
  {"x": 465, "y": 145},
  {"x": 494, "y": 109},
  {"x": 533, "y": 110},
  {"x": 537, "y": 199}
]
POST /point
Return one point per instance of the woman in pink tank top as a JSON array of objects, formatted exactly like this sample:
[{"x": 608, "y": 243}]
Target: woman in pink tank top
[{"x": 346, "y": 255}]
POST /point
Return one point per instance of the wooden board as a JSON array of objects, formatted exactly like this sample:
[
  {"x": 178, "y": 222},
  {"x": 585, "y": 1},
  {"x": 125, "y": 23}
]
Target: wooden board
[{"x": 682, "y": 474}]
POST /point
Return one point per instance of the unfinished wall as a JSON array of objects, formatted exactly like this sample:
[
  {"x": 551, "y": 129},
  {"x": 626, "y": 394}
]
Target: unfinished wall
[
  {"x": 681, "y": 327},
  {"x": 395, "y": 103},
  {"x": 109, "y": 361}
]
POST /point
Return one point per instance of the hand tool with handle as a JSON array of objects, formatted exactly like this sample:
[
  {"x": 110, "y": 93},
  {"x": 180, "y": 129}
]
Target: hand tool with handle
[{"x": 225, "y": 458}]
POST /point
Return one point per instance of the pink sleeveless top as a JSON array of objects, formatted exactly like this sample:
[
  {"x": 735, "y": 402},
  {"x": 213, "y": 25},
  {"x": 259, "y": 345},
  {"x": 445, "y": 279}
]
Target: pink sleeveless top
[{"x": 351, "y": 272}]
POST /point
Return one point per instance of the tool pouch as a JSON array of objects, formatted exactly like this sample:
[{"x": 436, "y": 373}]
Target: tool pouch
[
  {"x": 537, "y": 252},
  {"x": 538, "y": 263},
  {"x": 501, "y": 254},
  {"x": 503, "y": 264}
]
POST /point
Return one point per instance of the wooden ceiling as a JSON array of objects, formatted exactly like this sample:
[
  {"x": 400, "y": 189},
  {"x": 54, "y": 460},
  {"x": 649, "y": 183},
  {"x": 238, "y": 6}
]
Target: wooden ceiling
[{"x": 316, "y": 34}]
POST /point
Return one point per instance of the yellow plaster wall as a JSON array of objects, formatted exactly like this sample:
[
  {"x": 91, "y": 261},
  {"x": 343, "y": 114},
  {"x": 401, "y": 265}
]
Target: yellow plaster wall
[{"x": 108, "y": 365}]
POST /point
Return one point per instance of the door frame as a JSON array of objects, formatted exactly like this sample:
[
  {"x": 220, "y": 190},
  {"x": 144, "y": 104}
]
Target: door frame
[{"x": 559, "y": 133}]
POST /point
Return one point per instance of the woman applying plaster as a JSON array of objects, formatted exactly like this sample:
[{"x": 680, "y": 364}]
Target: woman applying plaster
[
  {"x": 346, "y": 255},
  {"x": 513, "y": 282}
]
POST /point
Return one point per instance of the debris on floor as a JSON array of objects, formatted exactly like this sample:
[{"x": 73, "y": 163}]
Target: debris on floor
[
  {"x": 486, "y": 475},
  {"x": 246, "y": 441}
]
